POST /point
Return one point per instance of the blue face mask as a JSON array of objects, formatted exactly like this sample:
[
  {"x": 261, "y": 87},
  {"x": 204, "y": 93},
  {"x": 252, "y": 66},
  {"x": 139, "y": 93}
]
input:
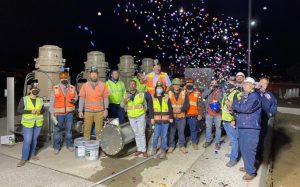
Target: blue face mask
[{"x": 159, "y": 90}]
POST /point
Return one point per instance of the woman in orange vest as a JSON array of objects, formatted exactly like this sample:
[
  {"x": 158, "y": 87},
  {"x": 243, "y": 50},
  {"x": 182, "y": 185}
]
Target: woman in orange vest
[
  {"x": 62, "y": 106},
  {"x": 195, "y": 110}
]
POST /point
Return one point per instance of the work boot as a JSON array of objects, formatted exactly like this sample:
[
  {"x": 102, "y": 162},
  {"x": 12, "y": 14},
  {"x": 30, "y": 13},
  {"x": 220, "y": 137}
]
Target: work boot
[
  {"x": 217, "y": 146},
  {"x": 162, "y": 154},
  {"x": 56, "y": 151},
  {"x": 171, "y": 149},
  {"x": 183, "y": 150},
  {"x": 248, "y": 177},
  {"x": 195, "y": 146},
  {"x": 21, "y": 163},
  {"x": 137, "y": 153},
  {"x": 145, "y": 154},
  {"x": 71, "y": 149},
  {"x": 206, "y": 144},
  {"x": 35, "y": 158},
  {"x": 231, "y": 163},
  {"x": 242, "y": 169},
  {"x": 153, "y": 152}
]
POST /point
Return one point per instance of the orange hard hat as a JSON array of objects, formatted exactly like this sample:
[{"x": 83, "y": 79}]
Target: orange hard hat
[
  {"x": 189, "y": 80},
  {"x": 63, "y": 75}
]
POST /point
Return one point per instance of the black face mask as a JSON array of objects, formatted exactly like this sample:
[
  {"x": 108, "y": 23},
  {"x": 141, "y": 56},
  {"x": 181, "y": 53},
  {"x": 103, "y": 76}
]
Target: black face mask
[
  {"x": 189, "y": 87},
  {"x": 64, "y": 81},
  {"x": 35, "y": 92}
]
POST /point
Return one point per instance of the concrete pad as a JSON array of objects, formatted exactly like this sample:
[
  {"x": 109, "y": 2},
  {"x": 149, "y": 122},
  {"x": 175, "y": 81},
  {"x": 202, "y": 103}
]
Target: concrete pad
[
  {"x": 33, "y": 175},
  {"x": 65, "y": 162},
  {"x": 210, "y": 170},
  {"x": 285, "y": 110}
]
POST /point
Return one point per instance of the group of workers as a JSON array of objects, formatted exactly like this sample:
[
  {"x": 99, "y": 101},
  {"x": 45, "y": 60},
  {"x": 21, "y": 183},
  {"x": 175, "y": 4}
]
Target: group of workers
[{"x": 240, "y": 105}]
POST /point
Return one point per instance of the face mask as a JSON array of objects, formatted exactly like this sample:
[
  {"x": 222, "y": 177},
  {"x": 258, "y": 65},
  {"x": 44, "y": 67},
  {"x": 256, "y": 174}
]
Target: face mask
[
  {"x": 64, "y": 81},
  {"x": 189, "y": 87},
  {"x": 35, "y": 92},
  {"x": 159, "y": 90}
]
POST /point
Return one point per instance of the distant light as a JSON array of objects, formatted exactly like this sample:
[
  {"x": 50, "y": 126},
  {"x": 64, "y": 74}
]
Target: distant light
[
  {"x": 265, "y": 8},
  {"x": 225, "y": 37},
  {"x": 181, "y": 10},
  {"x": 99, "y": 13},
  {"x": 253, "y": 23}
]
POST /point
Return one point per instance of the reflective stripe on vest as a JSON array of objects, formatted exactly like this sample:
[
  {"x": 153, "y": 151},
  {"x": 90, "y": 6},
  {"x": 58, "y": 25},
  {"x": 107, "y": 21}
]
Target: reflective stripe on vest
[
  {"x": 94, "y": 100},
  {"x": 177, "y": 104},
  {"x": 150, "y": 82},
  {"x": 226, "y": 114},
  {"x": 193, "y": 104},
  {"x": 117, "y": 91},
  {"x": 28, "y": 120},
  {"x": 135, "y": 108},
  {"x": 61, "y": 102},
  {"x": 161, "y": 112}
]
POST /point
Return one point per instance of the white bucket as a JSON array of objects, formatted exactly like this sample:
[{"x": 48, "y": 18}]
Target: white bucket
[
  {"x": 92, "y": 150},
  {"x": 79, "y": 144}
]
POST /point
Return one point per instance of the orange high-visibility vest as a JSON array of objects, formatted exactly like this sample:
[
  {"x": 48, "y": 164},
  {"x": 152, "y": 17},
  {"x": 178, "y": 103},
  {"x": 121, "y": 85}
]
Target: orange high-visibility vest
[
  {"x": 94, "y": 98},
  {"x": 151, "y": 85},
  {"x": 193, "y": 103},
  {"x": 177, "y": 104},
  {"x": 63, "y": 103}
]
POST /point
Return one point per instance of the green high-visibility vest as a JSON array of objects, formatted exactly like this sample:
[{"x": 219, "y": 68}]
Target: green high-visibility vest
[
  {"x": 226, "y": 114},
  {"x": 136, "y": 108},
  {"x": 139, "y": 86},
  {"x": 117, "y": 91},
  {"x": 28, "y": 120}
]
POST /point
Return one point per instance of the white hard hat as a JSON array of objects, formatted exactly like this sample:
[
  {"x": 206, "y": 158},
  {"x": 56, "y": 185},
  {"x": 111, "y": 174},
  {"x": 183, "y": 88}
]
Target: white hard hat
[
  {"x": 250, "y": 80},
  {"x": 240, "y": 74}
]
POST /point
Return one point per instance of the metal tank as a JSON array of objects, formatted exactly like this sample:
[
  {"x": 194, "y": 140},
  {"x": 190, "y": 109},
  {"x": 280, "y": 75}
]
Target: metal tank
[
  {"x": 147, "y": 65},
  {"x": 48, "y": 64},
  {"x": 118, "y": 140},
  {"x": 126, "y": 69},
  {"x": 94, "y": 59}
]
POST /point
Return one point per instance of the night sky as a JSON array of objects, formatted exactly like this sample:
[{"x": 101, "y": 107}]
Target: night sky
[{"x": 27, "y": 25}]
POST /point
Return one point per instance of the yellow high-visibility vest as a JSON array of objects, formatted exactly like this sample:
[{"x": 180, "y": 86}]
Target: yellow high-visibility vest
[
  {"x": 117, "y": 91},
  {"x": 226, "y": 114},
  {"x": 161, "y": 112},
  {"x": 136, "y": 108},
  {"x": 28, "y": 120}
]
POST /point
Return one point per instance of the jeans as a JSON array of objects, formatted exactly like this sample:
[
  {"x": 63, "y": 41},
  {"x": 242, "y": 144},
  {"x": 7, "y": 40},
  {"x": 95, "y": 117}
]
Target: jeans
[
  {"x": 65, "y": 121},
  {"x": 139, "y": 126},
  {"x": 30, "y": 140},
  {"x": 232, "y": 134},
  {"x": 161, "y": 129},
  {"x": 248, "y": 140},
  {"x": 116, "y": 111},
  {"x": 192, "y": 121},
  {"x": 178, "y": 124},
  {"x": 210, "y": 120}
]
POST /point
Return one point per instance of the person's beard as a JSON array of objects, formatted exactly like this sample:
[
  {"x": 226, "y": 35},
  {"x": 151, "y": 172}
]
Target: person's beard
[{"x": 94, "y": 79}]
